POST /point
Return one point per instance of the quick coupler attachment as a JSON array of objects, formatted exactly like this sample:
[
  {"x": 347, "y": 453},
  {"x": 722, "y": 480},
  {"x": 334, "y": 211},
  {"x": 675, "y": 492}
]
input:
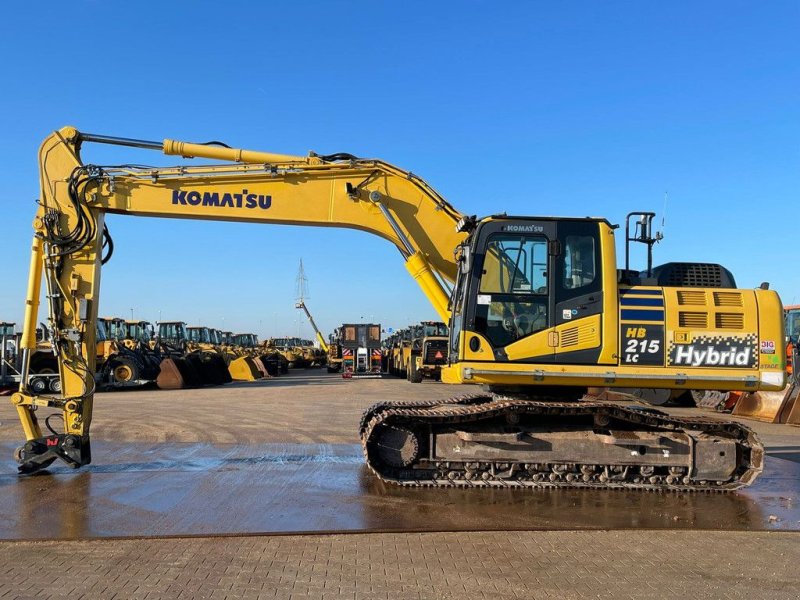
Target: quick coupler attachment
[{"x": 39, "y": 453}]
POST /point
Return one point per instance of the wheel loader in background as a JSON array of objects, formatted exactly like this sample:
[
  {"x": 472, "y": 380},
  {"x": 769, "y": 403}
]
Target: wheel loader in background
[
  {"x": 334, "y": 353},
  {"x": 287, "y": 346},
  {"x": 123, "y": 361},
  {"x": 399, "y": 352},
  {"x": 428, "y": 351},
  {"x": 183, "y": 367},
  {"x": 271, "y": 360},
  {"x": 268, "y": 348},
  {"x": 206, "y": 341},
  {"x": 537, "y": 311},
  {"x": 232, "y": 350}
]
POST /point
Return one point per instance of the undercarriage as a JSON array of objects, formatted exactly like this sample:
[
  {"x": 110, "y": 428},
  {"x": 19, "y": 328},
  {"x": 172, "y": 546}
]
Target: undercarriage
[{"x": 492, "y": 440}]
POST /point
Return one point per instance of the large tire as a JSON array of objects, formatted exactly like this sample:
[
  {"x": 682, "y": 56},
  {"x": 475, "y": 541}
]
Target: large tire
[
  {"x": 38, "y": 385},
  {"x": 414, "y": 376},
  {"x": 124, "y": 370}
]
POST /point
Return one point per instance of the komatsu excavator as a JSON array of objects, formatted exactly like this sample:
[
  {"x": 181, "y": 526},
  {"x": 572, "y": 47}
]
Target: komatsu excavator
[{"x": 536, "y": 307}]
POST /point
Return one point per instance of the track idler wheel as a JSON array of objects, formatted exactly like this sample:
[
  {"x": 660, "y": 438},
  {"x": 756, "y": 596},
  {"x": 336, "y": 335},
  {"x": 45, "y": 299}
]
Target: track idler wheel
[{"x": 396, "y": 447}]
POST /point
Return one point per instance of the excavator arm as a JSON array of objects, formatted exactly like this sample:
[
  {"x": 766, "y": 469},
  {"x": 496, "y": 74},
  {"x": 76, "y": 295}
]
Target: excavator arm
[{"x": 70, "y": 238}]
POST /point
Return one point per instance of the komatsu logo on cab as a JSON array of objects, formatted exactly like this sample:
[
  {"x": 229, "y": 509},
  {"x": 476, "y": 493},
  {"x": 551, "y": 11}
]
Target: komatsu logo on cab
[
  {"x": 243, "y": 200},
  {"x": 524, "y": 228}
]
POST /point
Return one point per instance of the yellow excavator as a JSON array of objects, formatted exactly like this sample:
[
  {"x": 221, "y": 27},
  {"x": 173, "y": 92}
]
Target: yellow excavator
[{"x": 537, "y": 311}]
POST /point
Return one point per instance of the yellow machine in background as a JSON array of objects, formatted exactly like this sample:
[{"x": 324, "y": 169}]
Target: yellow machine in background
[
  {"x": 538, "y": 311},
  {"x": 208, "y": 343},
  {"x": 428, "y": 351}
]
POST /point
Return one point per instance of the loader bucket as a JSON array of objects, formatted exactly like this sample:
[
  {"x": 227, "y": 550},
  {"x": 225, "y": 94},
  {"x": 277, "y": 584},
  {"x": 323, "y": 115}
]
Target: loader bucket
[
  {"x": 262, "y": 369},
  {"x": 177, "y": 374},
  {"x": 791, "y": 410},
  {"x": 243, "y": 369},
  {"x": 762, "y": 406},
  {"x": 271, "y": 364},
  {"x": 211, "y": 367}
]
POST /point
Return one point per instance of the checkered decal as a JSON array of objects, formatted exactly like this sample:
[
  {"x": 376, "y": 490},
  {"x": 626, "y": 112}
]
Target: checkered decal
[{"x": 724, "y": 351}]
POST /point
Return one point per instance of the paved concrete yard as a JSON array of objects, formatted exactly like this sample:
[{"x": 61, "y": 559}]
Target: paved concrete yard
[{"x": 312, "y": 409}]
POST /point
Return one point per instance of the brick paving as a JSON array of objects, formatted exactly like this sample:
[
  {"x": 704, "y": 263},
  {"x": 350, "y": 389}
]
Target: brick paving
[
  {"x": 542, "y": 564},
  {"x": 530, "y": 565}
]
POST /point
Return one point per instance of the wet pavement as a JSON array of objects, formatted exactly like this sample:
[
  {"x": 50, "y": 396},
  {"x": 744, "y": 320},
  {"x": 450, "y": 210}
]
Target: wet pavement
[{"x": 180, "y": 489}]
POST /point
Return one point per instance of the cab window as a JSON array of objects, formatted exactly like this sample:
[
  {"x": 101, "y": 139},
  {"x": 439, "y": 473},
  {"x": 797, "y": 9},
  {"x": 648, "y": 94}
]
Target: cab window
[
  {"x": 512, "y": 302},
  {"x": 579, "y": 261},
  {"x": 515, "y": 265}
]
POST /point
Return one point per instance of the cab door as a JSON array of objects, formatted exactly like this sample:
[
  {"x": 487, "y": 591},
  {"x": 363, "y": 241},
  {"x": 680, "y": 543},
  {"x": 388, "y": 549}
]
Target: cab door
[
  {"x": 577, "y": 287},
  {"x": 511, "y": 299}
]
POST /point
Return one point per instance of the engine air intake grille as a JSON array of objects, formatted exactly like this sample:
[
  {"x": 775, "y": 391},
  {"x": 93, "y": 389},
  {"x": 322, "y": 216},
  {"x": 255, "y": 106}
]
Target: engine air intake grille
[
  {"x": 729, "y": 321},
  {"x": 727, "y": 299},
  {"x": 694, "y": 320},
  {"x": 696, "y": 298}
]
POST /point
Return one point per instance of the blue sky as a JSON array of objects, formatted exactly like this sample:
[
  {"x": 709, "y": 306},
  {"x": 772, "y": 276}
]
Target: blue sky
[{"x": 580, "y": 108}]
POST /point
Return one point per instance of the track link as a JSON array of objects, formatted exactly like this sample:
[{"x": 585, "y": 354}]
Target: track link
[{"x": 405, "y": 426}]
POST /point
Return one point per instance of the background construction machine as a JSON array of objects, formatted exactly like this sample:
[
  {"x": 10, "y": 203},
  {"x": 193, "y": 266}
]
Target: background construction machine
[
  {"x": 536, "y": 307},
  {"x": 334, "y": 352},
  {"x": 429, "y": 351},
  {"x": 9, "y": 356},
  {"x": 361, "y": 350},
  {"x": 399, "y": 352},
  {"x": 124, "y": 356},
  {"x": 43, "y": 374},
  {"x": 792, "y": 334},
  {"x": 182, "y": 366},
  {"x": 268, "y": 361},
  {"x": 207, "y": 342},
  {"x": 320, "y": 358}
]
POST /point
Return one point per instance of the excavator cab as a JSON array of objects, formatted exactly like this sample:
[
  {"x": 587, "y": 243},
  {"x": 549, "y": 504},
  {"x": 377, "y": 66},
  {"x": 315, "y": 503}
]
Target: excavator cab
[
  {"x": 539, "y": 302},
  {"x": 520, "y": 281}
]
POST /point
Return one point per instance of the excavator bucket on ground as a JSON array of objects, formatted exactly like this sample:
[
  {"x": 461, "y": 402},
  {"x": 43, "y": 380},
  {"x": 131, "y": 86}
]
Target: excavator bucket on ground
[
  {"x": 775, "y": 407},
  {"x": 177, "y": 374},
  {"x": 244, "y": 368},
  {"x": 762, "y": 406},
  {"x": 791, "y": 408}
]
